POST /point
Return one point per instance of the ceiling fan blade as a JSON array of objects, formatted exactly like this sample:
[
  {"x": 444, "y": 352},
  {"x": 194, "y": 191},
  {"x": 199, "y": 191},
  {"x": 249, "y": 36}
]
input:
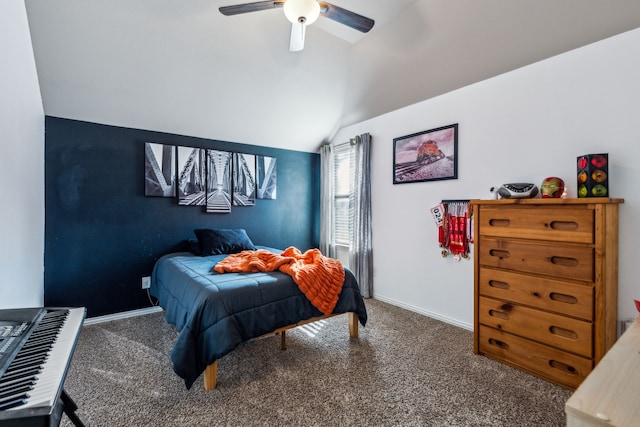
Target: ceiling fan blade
[
  {"x": 296, "y": 43},
  {"x": 250, "y": 7},
  {"x": 346, "y": 17}
]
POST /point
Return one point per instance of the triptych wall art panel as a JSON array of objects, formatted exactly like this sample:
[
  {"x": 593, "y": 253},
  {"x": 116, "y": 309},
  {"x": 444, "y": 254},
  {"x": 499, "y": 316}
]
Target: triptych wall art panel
[
  {"x": 159, "y": 170},
  {"x": 192, "y": 177},
  {"x": 266, "y": 177},
  {"x": 211, "y": 178},
  {"x": 219, "y": 181},
  {"x": 244, "y": 179}
]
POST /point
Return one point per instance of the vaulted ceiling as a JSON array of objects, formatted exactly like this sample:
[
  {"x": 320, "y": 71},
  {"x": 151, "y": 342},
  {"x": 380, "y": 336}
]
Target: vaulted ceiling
[{"x": 180, "y": 66}]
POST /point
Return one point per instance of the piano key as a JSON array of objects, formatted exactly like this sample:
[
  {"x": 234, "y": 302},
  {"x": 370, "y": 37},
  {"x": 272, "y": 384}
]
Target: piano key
[
  {"x": 18, "y": 401},
  {"x": 29, "y": 371},
  {"x": 35, "y": 359},
  {"x": 15, "y": 389}
]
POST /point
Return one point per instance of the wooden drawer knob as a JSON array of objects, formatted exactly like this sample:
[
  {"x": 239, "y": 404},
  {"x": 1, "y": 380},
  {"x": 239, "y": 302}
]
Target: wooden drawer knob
[
  {"x": 498, "y": 284},
  {"x": 499, "y": 314},
  {"x": 496, "y": 222},
  {"x": 563, "y": 332},
  {"x": 563, "y": 367},
  {"x": 562, "y": 225},
  {"x": 568, "y": 299},
  {"x": 565, "y": 261},
  {"x": 500, "y": 253},
  {"x": 503, "y": 345}
]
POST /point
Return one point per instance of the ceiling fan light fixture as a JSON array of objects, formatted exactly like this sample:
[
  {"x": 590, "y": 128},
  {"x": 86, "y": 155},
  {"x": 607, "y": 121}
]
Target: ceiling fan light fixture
[{"x": 302, "y": 11}]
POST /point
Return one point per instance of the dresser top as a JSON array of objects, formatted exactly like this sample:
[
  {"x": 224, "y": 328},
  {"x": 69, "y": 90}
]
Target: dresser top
[{"x": 549, "y": 201}]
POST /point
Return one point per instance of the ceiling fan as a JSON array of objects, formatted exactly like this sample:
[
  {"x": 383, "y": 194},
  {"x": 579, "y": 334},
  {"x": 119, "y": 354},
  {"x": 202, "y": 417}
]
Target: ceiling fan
[{"x": 302, "y": 13}]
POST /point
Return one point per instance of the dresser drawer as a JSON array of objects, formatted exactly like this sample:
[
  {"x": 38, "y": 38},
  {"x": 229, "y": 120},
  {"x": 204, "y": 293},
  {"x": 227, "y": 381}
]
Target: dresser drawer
[
  {"x": 559, "y": 296},
  {"x": 574, "y": 224},
  {"x": 555, "y": 365},
  {"x": 565, "y": 333},
  {"x": 560, "y": 261}
]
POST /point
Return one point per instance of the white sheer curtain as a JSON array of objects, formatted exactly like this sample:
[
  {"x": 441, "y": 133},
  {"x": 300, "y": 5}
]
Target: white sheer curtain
[
  {"x": 360, "y": 245},
  {"x": 361, "y": 251},
  {"x": 326, "y": 201}
]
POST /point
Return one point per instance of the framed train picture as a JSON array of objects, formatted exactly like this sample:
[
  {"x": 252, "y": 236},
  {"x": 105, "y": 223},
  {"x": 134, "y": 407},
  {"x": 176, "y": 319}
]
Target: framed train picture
[{"x": 430, "y": 155}]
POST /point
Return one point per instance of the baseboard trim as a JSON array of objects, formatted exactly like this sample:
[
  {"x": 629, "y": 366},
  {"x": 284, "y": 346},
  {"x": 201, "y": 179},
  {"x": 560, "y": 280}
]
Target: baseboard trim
[
  {"x": 427, "y": 313},
  {"x": 122, "y": 315},
  {"x": 149, "y": 310}
]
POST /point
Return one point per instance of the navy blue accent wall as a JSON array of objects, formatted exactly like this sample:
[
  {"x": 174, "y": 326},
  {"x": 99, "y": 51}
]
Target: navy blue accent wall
[{"x": 102, "y": 234}]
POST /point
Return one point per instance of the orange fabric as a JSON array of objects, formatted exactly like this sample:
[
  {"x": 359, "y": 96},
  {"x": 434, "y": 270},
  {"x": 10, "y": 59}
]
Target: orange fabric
[{"x": 319, "y": 278}]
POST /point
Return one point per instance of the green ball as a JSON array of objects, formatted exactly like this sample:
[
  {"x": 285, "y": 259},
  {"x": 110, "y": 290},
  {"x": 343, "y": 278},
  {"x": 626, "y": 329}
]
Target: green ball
[
  {"x": 583, "y": 191},
  {"x": 599, "y": 190}
]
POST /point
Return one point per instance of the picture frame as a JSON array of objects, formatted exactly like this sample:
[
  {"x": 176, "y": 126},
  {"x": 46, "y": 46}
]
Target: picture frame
[
  {"x": 191, "y": 185},
  {"x": 244, "y": 179},
  {"x": 159, "y": 170},
  {"x": 430, "y": 155},
  {"x": 266, "y": 179},
  {"x": 219, "y": 165}
]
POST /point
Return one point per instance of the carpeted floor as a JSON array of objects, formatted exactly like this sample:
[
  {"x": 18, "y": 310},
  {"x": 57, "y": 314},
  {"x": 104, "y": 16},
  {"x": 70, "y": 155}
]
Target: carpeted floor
[{"x": 404, "y": 370}]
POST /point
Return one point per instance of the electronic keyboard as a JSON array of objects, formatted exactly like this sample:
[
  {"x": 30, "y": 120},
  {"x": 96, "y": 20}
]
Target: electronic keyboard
[{"x": 36, "y": 347}]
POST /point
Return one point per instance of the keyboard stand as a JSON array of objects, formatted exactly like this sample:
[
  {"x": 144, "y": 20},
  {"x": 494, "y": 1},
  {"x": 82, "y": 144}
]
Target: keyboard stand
[{"x": 69, "y": 407}]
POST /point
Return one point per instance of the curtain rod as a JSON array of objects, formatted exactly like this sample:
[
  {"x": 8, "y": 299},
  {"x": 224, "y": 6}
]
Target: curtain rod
[{"x": 351, "y": 141}]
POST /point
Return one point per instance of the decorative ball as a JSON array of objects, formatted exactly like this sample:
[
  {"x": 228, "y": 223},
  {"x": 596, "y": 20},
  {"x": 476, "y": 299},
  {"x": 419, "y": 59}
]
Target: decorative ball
[
  {"x": 552, "y": 187},
  {"x": 583, "y": 191},
  {"x": 599, "y": 190},
  {"x": 582, "y": 177}
]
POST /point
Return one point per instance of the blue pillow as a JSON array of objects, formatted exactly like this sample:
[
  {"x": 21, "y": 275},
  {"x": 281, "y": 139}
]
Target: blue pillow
[
  {"x": 194, "y": 247},
  {"x": 223, "y": 241}
]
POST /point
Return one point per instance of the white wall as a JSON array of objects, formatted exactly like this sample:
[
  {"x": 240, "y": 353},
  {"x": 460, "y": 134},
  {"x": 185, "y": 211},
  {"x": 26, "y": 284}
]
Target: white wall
[
  {"x": 22, "y": 167},
  {"x": 517, "y": 127}
]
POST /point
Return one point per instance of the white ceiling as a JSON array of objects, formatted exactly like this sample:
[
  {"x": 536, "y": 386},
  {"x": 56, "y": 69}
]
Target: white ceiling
[{"x": 179, "y": 66}]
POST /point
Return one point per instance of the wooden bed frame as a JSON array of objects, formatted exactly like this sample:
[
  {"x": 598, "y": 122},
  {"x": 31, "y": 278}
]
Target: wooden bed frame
[{"x": 211, "y": 372}]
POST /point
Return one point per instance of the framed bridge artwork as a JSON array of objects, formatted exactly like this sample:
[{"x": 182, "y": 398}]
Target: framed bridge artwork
[
  {"x": 431, "y": 155},
  {"x": 192, "y": 177},
  {"x": 215, "y": 179},
  {"x": 219, "y": 189},
  {"x": 244, "y": 179},
  {"x": 159, "y": 170}
]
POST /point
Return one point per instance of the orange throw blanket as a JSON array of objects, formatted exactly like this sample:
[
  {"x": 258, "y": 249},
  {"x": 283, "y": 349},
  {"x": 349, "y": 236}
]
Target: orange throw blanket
[{"x": 319, "y": 278}]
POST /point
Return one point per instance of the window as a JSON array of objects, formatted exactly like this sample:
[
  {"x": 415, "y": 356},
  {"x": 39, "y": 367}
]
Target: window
[{"x": 343, "y": 180}]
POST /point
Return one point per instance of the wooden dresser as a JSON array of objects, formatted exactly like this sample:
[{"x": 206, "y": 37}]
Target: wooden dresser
[{"x": 546, "y": 284}]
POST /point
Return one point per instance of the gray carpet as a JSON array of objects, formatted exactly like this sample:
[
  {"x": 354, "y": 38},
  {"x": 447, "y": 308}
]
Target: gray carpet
[{"x": 404, "y": 370}]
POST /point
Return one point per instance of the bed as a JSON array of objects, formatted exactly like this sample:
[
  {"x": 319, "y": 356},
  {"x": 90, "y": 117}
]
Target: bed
[{"x": 214, "y": 313}]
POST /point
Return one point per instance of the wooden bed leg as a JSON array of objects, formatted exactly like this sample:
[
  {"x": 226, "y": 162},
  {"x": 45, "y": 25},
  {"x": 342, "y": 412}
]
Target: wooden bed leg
[
  {"x": 283, "y": 340},
  {"x": 353, "y": 324},
  {"x": 211, "y": 376}
]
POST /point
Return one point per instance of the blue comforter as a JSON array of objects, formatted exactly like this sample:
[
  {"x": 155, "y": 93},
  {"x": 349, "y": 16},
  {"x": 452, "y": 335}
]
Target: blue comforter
[{"x": 214, "y": 313}]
